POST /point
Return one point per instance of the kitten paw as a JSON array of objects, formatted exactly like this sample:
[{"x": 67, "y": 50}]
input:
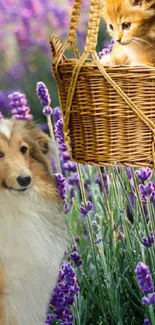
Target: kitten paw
[{"x": 107, "y": 60}]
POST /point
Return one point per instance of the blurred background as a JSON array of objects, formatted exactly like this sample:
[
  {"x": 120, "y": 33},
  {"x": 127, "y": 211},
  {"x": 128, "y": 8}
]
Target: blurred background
[{"x": 25, "y": 54}]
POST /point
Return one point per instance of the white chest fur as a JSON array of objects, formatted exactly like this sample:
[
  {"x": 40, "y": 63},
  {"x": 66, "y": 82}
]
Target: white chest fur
[{"x": 32, "y": 243}]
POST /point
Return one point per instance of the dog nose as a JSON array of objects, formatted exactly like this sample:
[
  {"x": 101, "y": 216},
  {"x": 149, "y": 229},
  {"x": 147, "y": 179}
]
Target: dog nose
[{"x": 24, "y": 180}]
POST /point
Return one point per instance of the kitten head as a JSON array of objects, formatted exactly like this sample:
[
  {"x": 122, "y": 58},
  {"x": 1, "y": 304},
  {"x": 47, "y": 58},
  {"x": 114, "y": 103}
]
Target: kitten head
[{"x": 129, "y": 19}]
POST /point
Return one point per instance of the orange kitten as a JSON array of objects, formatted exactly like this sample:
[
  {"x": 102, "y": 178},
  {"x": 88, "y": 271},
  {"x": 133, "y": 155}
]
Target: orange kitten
[{"x": 131, "y": 23}]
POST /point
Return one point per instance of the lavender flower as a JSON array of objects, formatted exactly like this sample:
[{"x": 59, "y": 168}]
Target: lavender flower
[
  {"x": 128, "y": 209},
  {"x": 87, "y": 209},
  {"x": 65, "y": 156},
  {"x": 129, "y": 175},
  {"x": 146, "y": 242},
  {"x": 146, "y": 301},
  {"x": 70, "y": 166},
  {"x": 43, "y": 94},
  {"x": 1, "y": 116},
  {"x": 107, "y": 50},
  {"x": 74, "y": 180},
  {"x": 76, "y": 258},
  {"x": 152, "y": 196},
  {"x": 4, "y": 103},
  {"x": 66, "y": 208},
  {"x": 63, "y": 296},
  {"x": 60, "y": 135},
  {"x": 61, "y": 182},
  {"x": 152, "y": 298},
  {"x": 144, "y": 278},
  {"x": 149, "y": 241},
  {"x": 57, "y": 115},
  {"x": 104, "y": 52},
  {"x": 105, "y": 180},
  {"x": 144, "y": 174},
  {"x": 149, "y": 300},
  {"x": 146, "y": 322},
  {"x": 143, "y": 190},
  {"x": 147, "y": 190},
  {"x": 19, "y": 108},
  {"x": 150, "y": 187},
  {"x": 151, "y": 237},
  {"x": 47, "y": 110}
]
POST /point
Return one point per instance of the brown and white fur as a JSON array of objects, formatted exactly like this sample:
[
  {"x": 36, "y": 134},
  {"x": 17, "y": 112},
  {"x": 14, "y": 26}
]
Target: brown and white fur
[
  {"x": 131, "y": 23},
  {"x": 32, "y": 230}
]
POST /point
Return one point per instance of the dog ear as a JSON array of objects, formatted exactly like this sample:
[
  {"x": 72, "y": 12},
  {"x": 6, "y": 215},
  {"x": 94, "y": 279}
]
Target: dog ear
[
  {"x": 36, "y": 137},
  {"x": 43, "y": 142}
]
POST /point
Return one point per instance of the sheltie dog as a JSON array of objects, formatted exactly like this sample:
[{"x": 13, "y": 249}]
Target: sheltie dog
[{"x": 32, "y": 226}]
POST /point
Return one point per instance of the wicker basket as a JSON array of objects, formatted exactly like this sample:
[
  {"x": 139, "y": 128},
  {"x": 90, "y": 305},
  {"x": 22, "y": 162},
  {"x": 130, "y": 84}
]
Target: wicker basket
[{"x": 109, "y": 113}]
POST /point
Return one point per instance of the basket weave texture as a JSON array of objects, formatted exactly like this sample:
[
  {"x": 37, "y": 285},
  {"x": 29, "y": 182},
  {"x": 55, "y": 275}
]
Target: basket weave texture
[{"x": 109, "y": 113}]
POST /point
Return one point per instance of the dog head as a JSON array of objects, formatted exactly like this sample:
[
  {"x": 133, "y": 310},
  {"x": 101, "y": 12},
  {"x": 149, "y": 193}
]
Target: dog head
[{"x": 23, "y": 155}]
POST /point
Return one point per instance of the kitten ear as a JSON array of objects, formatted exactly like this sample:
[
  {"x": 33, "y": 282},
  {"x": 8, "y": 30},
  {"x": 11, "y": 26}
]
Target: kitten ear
[
  {"x": 149, "y": 4},
  {"x": 146, "y": 4},
  {"x": 137, "y": 2}
]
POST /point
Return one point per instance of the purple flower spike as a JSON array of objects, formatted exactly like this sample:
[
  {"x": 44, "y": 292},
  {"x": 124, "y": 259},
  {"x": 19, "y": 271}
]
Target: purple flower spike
[
  {"x": 89, "y": 206},
  {"x": 146, "y": 301},
  {"x": 43, "y": 94},
  {"x": 63, "y": 296},
  {"x": 47, "y": 110},
  {"x": 83, "y": 211},
  {"x": 146, "y": 322},
  {"x": 87, "y": 209},
  {"x": 146, "y": 242},
  {"x": 60, "y": 135},
  {"x": 144, "y": 278},
  {"x": 150, "y": 187},
  {"x": 19, "y": 108},
  {"x": 1, "y": 116},
  {"x": 104, "y": 52},
  {"x": 76, "y": 258},
  {"x": 57, "y": 115},
  {"x": 152, "y": 298},
  {"x": 70, "y": 166},
  {"x": 66, "y": 208},
  {"x": 61, "y": 182},
  {"x": 74, "y": 180},
  {"x": 143, "y": 190},
  {"x": 128, "y": 172},
  {"x": 151, "y": 237},
  {"x": 107, "y": 50},
  {"x": 152, "y": 196},
  {"x": 144, "y": 174}
]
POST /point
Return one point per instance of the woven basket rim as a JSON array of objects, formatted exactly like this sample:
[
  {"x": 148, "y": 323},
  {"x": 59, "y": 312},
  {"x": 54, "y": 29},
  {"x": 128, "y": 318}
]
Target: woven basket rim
[{"x": 116, "y": 68}]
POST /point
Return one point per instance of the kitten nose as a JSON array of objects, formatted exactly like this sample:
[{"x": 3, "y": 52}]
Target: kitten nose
[
  {"x": 118, "y": 40},
  {"x": 24, "y": 180}
]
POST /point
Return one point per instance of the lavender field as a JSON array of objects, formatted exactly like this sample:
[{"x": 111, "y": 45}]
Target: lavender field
[{"x": 107, "y": 275}]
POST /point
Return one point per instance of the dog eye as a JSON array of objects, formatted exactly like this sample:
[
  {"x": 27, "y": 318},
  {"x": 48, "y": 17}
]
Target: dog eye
[
  {"x": 23, "y": 150},
  {"x": 1, "y": 154},
  {"x": 126, "y": 25}
]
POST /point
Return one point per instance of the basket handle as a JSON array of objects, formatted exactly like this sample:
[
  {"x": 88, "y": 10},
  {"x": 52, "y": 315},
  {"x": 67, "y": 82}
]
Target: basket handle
[
  {"x": 92, "y": 34},
  {"x": 74, "y": 21},
  {"x": 93, "y": 26}
]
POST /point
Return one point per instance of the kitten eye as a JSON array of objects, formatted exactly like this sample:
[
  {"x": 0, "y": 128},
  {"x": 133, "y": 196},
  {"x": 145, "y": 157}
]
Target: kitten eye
[
  {"x": 1, "y": 154},
  {"x": 111, "y": 27},
  {"x": 126, "y": 25},
  {"x": 23, "y": 150}
]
